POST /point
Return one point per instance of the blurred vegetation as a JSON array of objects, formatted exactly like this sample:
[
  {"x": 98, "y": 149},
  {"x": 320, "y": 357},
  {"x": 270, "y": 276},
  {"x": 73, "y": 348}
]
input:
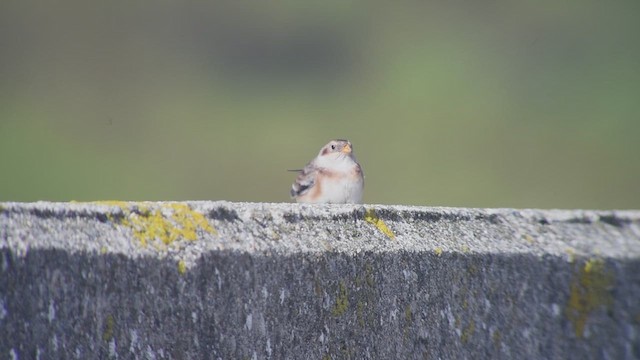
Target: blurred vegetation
[{"x": 457, "y": 103}]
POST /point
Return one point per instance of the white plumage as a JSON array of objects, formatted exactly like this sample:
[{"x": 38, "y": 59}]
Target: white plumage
[{"x": 334, "y": 176}]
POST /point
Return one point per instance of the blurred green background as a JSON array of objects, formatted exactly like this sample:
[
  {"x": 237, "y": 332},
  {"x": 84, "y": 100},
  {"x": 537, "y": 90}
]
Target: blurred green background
[{"x": 448, "y": 103}]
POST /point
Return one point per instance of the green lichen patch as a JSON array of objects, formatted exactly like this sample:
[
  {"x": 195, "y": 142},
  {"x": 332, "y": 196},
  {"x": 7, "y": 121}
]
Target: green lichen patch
[
  {"x": 108, "y": 328},
  {"x": 408, "y": 321},
  {"x": 589, "y": 291},
  {"x": 342, "y": 300},
  {"x": 368, "y": 271},
  {"x": 366, "y": 278},
  {"x": 496, "y": 338},
  {"x": 467, "y": 332},
  {"x": 408, "y": 314}
]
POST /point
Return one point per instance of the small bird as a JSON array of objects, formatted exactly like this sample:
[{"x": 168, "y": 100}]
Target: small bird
[{"x": 334, "y": 176}]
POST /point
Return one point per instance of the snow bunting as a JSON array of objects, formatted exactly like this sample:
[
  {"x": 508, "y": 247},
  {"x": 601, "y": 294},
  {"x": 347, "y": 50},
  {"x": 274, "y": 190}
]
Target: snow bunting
[{"x": 334, "y": 176}]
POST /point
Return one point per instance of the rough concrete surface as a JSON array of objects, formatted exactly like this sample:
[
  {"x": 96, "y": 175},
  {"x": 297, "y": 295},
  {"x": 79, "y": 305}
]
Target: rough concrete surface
[{"x": 221, "y": 280}]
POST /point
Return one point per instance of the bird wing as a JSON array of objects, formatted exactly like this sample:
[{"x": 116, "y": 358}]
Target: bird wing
[{"x": 305, "y": 180}]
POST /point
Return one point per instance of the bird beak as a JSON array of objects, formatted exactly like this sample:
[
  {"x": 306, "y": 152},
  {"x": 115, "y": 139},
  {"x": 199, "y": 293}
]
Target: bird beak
[{"x": 346, "y": 149}]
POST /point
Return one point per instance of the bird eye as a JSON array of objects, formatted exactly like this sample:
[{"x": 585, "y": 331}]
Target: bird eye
[{"x": 333, "y": 147}]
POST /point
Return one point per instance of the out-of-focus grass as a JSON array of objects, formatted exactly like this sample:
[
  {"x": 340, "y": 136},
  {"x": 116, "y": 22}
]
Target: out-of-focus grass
[{"x": 490, "y": 105}]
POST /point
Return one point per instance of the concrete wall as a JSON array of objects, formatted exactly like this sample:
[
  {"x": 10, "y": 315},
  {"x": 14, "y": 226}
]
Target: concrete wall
[{"x": 271, "y": 281}]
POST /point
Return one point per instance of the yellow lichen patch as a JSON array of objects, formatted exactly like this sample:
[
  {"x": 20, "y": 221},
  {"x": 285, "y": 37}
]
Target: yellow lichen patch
[
  {"x": 190, "y": 221},
  {"x": 182, "y": 267},
  {"x": 438, "y": 251},
  {"x": 342, "y": 301},
  {"x": 371, "y": 217},
  {"x": 590, "y": 290},
  {"x": 166, "y": 224}
]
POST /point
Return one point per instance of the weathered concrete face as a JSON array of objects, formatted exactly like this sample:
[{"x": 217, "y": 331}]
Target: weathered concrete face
[{"x": 236, "y": 280}]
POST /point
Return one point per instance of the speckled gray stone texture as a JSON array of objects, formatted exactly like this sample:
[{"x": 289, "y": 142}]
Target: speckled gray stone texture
[{"x": 289, "y": 281}]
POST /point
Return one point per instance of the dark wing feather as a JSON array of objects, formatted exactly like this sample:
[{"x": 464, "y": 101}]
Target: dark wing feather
[{"x": 305, "y": 180}]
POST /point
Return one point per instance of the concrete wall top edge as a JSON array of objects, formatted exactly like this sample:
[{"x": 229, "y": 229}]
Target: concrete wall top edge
[{"x": 184, "y": 230}]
